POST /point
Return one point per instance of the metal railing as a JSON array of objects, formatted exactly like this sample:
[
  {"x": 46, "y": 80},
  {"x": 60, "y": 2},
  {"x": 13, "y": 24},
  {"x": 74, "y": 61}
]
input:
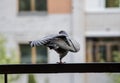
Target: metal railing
[{"x": 59, "y": 68}]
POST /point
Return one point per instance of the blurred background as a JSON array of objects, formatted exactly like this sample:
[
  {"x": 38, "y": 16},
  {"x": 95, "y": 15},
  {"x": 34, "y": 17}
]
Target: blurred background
[{"x": 95, "y": 24}]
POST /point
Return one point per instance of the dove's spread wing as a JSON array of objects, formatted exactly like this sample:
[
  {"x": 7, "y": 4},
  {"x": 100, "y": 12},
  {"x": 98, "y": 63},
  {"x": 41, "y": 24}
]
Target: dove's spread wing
[{"x": 46, "y": 40}]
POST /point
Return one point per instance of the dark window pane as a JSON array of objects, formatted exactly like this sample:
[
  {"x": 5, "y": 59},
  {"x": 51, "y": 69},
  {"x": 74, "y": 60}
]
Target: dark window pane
[
  {"x": 93, "y": 53},
  {"x": 101, "y": 53},
  {"x": 41, "y": 5},
  {"x": 25, "y": 53},
  {"x": 102, "y": 50},
  {"x": 41, "y": 54},
  {"x": 24, "y": 5},
  {"x": 112, "y": 3}
]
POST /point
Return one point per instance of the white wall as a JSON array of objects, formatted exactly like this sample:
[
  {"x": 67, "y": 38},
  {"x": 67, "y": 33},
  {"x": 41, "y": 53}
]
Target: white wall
[
  {"x": 98, "y": 78},
  {"x": 94, "y": 5},
  {"x": 78, "y": 32},
  {"x": 104, "y": 21},
  {"x": 101, "y": 21}
]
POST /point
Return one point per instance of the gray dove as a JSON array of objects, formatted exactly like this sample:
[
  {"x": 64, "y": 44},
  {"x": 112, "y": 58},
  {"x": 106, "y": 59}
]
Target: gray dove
[{"x": 61, "y": 43}]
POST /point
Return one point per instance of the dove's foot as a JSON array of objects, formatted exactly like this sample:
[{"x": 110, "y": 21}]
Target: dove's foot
[{"x": 61, "y": 62}]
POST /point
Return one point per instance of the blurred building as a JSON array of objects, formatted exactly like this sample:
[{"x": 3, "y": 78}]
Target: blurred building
[{"x": 95, "y": 24}]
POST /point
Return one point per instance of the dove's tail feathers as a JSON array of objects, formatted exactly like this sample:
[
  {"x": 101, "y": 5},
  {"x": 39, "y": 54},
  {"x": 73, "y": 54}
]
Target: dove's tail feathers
[{"x": 36, "y": 43}]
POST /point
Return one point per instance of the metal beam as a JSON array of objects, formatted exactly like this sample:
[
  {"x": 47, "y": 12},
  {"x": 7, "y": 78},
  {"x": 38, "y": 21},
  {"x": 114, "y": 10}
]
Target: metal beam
[{"x": 60, "y": 68}]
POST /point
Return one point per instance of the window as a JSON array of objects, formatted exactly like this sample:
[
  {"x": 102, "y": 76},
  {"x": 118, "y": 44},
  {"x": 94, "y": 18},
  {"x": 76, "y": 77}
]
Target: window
[
  {"x": 102, "y": 6},
  {"x": 32, "y": 5},
  {"x": 103, "y": 49},
  {"x": 25, "y": 54},
  {"x": 112, "y": 3},
  {"x": 33, "y": 55}
]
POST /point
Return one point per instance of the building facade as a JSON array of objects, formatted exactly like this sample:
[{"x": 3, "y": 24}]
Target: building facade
[{"x": 94, "y": 24}]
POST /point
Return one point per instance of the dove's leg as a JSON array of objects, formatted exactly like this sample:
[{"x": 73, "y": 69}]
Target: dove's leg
[
  {"x": 61, "y": 56},
  {"x": 60, "y": 60}
]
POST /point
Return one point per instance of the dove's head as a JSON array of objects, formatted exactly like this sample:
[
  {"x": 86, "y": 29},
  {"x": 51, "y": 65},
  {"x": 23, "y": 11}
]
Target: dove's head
[{"x": 63, "y": 32}]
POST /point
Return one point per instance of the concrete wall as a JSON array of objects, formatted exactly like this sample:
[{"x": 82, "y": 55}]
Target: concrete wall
[
  {"x": 101, "y": 21},
  {"x": 105, "y": 21}
]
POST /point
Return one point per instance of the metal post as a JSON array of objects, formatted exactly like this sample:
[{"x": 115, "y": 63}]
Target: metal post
[{"x": 5, "y": 78}]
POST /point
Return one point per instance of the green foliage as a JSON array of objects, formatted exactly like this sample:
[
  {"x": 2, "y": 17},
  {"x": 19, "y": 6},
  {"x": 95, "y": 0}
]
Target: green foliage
[
  {"x": 2, "y": 51},
  {"x": 116, "y": 58},
  {"x": 115, "y": 77},
  {"x": 112, "y": 3},
  {"x": 116, "y": 55},
  {"x": 31, "y": 78},
  {"x": 5, "y": 59}
]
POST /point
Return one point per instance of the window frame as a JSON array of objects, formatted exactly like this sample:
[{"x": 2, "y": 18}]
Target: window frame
[
  {"x": 101, "y": 42},
  {"x": 33, "y": 55},
  {"x": 111, "y": 9},
  {"x": 32, "y": 9}
]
